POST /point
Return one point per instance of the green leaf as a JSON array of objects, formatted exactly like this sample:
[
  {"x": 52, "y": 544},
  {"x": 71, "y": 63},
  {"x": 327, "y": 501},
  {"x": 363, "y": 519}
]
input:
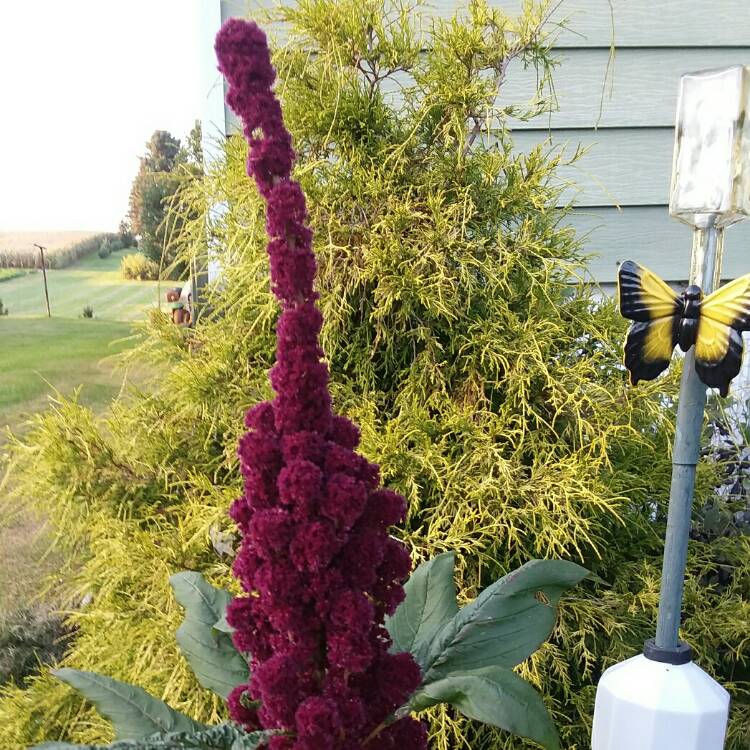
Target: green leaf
[
  {"x": 223, "y": 626},
  {"x": 201, "y": 637},
  {"x": 221, "y": 737},
  {"x": 133, "y": 712},
  {"x": 251, "y": 741},
  {"x": 496, "y": 696},
  {"x": 429, "y": 604},
  {"x": 506, "y": 623}
]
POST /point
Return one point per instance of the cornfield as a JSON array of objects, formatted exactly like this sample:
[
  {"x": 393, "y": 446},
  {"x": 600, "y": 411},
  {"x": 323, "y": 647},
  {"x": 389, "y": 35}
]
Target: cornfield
[{"x": 17, "y": 249}]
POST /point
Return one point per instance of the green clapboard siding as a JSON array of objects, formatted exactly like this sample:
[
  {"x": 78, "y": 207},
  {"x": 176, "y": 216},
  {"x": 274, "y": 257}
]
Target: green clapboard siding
[
  {"x": 239, "y": 8},
  {"x": 641, "y": 92},
  {"x": 597, "y": 23},
  {"x": 640, "y": 23},
  {"x": 620, "y": 167},
  {"x": 643, "y": 85},
  {"x": 651, "y": 237},
  {"x": 622, "y": 110}
]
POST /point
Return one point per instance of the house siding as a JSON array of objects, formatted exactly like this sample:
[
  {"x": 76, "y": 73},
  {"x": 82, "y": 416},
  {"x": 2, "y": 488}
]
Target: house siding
[
  {"x": 619, "y": 103},
  {"x": 626, "y": 123}
]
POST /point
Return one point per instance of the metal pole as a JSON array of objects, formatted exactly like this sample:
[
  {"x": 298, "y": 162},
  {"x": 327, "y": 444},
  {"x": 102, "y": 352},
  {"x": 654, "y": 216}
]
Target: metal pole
[
  {"x": 705, "y": 272},
  {"x": 44, "y": 273}
]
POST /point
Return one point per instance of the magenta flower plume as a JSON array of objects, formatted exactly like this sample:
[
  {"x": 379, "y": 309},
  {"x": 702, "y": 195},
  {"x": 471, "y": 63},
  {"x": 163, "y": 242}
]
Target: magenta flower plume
[{"x": 318, "y": 566}]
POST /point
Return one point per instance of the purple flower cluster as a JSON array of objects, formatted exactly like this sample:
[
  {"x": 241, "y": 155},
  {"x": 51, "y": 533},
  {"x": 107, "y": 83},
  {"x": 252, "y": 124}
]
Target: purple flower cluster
[{"x": 317, "y": 563}]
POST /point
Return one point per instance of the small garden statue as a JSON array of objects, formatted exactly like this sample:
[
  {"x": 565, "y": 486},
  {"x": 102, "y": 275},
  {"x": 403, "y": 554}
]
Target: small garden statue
[{"x": 180, "y": 316}]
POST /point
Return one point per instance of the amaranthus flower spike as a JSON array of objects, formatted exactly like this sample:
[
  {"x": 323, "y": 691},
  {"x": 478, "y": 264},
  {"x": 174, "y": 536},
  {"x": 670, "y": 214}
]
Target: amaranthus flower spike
[{"x": 317, "y": 563}]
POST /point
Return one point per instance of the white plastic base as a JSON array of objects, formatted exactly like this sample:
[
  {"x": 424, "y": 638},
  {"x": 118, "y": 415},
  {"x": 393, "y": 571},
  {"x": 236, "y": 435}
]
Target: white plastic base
[{"x": 646, "y": 705}]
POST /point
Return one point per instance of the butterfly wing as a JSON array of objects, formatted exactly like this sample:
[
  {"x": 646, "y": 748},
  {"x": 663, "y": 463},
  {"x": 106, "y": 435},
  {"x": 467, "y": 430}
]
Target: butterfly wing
[
  {"x": 648, "y": 348},
  {"x": 651, "y": 303},
  {"x": 642, "y": 295},
  {"x": 718, "y": 354},
  {"x": 724, "y": 314},
  {"x": 730, "y": 304}
]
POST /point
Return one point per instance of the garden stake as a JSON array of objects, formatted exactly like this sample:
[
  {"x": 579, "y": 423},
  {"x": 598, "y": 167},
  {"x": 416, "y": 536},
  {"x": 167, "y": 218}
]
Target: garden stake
[
  {"x": 661, "y": 700},
  {"x": 706, "y": 270}
]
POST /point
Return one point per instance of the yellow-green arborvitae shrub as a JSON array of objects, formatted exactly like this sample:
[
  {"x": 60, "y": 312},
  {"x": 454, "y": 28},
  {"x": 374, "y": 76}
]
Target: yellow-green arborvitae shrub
[{"x": 487, "y": 384}]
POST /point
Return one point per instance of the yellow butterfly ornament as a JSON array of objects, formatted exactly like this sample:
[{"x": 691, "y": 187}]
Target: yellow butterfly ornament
[{"x": 663, "y": 320}]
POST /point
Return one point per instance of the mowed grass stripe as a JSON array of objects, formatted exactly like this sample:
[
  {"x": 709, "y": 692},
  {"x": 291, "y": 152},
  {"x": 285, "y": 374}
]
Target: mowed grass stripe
[
  {"x": 94, "y": 281},
  {"x": 63, "y": 353},
  {"x": 66, "y": 351}
]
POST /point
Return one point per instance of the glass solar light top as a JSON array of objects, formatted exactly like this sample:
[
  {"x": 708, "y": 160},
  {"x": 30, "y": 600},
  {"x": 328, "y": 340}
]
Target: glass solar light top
[{"x": 711, "y": 168}]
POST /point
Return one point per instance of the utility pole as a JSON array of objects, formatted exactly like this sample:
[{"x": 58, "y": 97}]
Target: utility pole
[{"x": 44, "y": 273}]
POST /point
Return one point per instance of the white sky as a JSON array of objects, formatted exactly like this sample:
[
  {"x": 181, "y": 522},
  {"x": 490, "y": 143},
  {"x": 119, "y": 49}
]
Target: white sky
[{"x": 83, "y": 84}]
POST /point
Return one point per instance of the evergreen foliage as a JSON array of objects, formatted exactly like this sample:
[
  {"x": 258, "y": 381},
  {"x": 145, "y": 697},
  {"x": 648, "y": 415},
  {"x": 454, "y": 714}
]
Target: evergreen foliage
[
  {"x": 155, "y": 210},
  {"x": 125, "y": 234},
  {"x": 487, "y": 387}
]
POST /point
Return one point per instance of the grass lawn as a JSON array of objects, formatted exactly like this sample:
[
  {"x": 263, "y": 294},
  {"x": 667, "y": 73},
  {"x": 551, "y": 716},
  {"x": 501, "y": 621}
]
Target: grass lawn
[
  {"x": 39, "y": 354},
  {"x": 36, "y": 353},
  {"x": 93, "y": 281}
]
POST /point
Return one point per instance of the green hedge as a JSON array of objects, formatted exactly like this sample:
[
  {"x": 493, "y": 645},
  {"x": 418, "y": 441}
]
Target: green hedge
[
  {"x": 6, "y": 274},
  {"x": 138, "y": 267}
]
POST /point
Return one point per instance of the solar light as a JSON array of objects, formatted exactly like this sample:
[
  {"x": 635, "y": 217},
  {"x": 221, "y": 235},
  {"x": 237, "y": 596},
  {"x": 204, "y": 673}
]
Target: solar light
[
  {"x": 660, "y": 699},
  {"x": 711, "y": 168}
]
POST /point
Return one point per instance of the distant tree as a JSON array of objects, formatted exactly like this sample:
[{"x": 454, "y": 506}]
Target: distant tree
[
  {"x": 125, "y": 231},
  {"x": 106, "y": 248},
  {"x": 194, "y": 146},
  {"x": 164, "y": 169},
  {"x": 152, "y": 193},
  {"x": 163, "y": 152}
]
